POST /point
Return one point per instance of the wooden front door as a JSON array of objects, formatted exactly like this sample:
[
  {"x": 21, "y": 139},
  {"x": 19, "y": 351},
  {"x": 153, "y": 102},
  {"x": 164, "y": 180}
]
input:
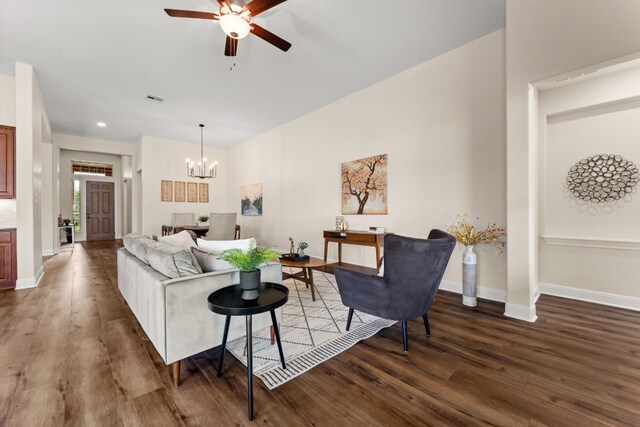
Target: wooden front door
[{"x": 100, "y": 211}]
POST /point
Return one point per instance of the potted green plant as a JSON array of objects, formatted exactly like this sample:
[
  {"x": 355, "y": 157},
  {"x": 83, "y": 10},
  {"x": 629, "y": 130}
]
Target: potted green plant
[
  {"x": 301, "y": 247},
  {"x": 248, "y": 262},
  {"x": 203, "y": 220}
]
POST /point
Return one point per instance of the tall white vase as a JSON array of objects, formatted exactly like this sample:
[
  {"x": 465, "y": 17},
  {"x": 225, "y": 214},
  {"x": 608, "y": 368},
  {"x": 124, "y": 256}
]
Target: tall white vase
[{"x": 469, "y": 278}]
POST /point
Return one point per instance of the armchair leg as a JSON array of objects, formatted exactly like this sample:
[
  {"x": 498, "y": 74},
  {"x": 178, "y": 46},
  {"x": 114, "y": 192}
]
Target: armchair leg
[
  {"x": 425, "y": 317},
  {"x": 349, "y": 318},
  {"x": 405, "y": 339}
]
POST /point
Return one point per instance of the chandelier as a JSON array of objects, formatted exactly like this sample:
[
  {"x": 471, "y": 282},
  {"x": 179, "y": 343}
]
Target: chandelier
[{"x": 201, "y": 171}]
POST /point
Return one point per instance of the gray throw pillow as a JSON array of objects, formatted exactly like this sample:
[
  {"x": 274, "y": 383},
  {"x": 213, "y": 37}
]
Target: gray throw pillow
[
  {"x": 141, "y": 247},
  {"x": 173, "y": 261},
  {"x": 208, "y": 262},
  {"x": 128, "y": 241}
]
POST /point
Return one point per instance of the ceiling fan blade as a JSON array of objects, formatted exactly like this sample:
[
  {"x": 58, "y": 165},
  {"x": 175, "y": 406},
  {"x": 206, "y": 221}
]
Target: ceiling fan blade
[
  {"x": 224, "y": 3},
  {"x": 231, "y": 47},
  {"x": 269, "y": 37},
  {"x": 258, "y": 6},
  {"x": 191, "y": 14}
]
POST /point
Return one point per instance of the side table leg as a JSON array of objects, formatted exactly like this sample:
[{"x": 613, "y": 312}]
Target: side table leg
[
  {"x": 377, "y": 254},
  {"x": 277, "y": 333},
  {"x": 326, "y": 247},
  {"x": 339, "y": 253},
  {"x": 250, "y": 366},
  {"x": 224, "y": 344}
]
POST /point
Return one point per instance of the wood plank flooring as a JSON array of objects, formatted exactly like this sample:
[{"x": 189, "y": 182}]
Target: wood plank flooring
[{"x": 72, "y": 353}]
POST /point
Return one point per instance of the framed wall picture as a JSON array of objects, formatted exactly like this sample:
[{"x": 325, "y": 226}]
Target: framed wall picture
[
  {"x": 192, "y": 192},
  {"x": 180, "y": 191},
  {"x": 364, "y": 186},
  {"x": 203, "y": 192},
  {"x": 166, "y": 191},
  {"x": 251, "y": 200}
]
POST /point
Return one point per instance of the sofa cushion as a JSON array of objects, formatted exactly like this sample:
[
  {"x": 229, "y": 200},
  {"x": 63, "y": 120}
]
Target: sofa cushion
[
  {"x": 141, "y": 247},
  {"x": 173, "y": 261},
  {"x": 128, "y": 241},
  {"x": 210, "y": 249},
  {"x": 210, "y": 262},
  {"x": 182, "y": 239}
]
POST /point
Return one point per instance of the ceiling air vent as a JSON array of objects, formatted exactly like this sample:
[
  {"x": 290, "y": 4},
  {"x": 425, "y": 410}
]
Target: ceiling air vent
[{"x": 155, "y": 98}]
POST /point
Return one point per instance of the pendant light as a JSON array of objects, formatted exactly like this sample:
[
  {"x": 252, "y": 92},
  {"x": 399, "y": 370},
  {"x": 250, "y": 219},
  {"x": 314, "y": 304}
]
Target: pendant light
[{"x": 200, "y": 169}]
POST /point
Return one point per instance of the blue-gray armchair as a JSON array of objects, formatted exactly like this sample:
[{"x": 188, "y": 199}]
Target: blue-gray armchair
[{"x": 413, "y": 269}]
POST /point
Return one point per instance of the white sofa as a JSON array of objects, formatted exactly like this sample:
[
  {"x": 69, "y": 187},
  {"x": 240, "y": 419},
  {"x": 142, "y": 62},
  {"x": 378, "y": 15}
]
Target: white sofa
[{"x": 174, "y": 312}]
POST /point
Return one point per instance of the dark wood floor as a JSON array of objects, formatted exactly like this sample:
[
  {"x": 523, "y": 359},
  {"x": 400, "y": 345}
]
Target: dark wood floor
[{"x": 71, "y": 353}]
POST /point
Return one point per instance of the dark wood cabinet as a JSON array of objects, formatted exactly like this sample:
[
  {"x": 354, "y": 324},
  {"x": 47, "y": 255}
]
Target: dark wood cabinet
[
  {"x": 7, "y": 162},
  {"x": 8, "y": 265}
]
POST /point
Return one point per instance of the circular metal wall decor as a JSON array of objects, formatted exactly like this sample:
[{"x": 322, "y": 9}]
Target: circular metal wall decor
[{"x": 602, "y": 178}]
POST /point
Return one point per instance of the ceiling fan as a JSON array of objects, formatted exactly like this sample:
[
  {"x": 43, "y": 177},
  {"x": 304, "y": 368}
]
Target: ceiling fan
[{"x": 235, "y": 20}]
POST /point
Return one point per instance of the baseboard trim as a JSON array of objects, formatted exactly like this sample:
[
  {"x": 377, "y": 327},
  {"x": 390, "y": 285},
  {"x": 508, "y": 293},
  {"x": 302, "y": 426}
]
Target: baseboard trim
[
  {"x": 604, "y": 298},
  {"x": 48, "y": 252},
  {"x": 484, "y": 293},
  {"x": 521, "y": 312},
  {"x": 30, "y": 282}
]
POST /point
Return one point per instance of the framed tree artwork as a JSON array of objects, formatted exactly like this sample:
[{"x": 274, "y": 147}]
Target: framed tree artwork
[
  {"x": 364, "y": 186},
  {"x": 203, "y": 192},
  {"x": 166, "y": 191},
  {"x": 192, "y": 192},
  {"x": 180, "y": 191}
]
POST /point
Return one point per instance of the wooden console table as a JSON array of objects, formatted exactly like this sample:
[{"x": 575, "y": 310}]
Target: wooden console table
[{"x": 353, "y": 237}]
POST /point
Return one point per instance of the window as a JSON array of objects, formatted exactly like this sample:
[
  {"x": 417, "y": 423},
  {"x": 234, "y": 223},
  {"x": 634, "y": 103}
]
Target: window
[
  {"x": 96, "y": 169},
  {"x": 76, "y": 205}
]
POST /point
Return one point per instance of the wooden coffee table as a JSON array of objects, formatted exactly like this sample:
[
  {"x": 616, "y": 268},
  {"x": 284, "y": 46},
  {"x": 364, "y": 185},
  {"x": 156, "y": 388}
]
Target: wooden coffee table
[{"x": 306, "y": 273}]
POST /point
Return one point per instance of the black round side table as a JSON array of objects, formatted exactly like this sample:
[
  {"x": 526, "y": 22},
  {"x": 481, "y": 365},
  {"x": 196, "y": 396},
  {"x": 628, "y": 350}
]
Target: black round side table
[{"x": 228, "y": 302}]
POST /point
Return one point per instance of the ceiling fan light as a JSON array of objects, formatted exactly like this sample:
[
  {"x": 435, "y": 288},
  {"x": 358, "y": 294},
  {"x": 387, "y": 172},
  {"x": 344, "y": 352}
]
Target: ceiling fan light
[{"x": 234, "y": 26}]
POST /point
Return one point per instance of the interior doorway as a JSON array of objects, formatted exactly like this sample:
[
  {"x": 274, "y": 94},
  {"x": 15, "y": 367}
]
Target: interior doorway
[{"x": 100, "y": 210}]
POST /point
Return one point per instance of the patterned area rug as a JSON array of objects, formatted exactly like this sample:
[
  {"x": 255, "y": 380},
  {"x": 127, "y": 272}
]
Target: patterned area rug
[{"x": 311, "y": 332}]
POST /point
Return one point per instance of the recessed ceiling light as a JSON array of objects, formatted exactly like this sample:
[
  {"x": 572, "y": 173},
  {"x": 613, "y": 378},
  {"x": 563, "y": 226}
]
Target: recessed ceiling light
[{"x": 101, "y": 124}]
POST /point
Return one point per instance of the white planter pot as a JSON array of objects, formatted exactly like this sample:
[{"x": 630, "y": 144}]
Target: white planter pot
[
  {"x": 469, "y": 278},
  {"x": 203, "y": 224}
]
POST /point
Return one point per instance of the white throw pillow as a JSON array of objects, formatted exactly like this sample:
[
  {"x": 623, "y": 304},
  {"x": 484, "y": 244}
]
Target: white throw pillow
[
  {"x": 216, "y": 247},
  {"x": 182, "y": 239}
]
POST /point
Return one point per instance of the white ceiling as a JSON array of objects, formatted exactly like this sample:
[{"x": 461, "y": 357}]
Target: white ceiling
[{"x": 97, "y": 60}]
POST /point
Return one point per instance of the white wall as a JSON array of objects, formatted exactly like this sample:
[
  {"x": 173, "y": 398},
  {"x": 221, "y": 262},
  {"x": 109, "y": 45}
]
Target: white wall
[
  {"x": 442, "y": 125},
  {"x": 547, "y": 38},
  {"x": 90, "y": 146},
  {"x": 7, "y": 100},
  {"x": 598, "y": 115},
  {"x": 66, "y": 187},
  {"x": 49, "y": 215},
  {"x": 32, "y": 128},
  {"x": 127, "y": 180},
  {"x": 8, "y": 118},
  {"x": 165, "y": 159}
]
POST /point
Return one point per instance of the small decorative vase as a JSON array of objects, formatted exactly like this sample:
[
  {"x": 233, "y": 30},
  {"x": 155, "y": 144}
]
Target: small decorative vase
[
  {"x": 249, "y": 283},
  {"x": 301, "y": 253},
  {"x": 469, "y": 278}
]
